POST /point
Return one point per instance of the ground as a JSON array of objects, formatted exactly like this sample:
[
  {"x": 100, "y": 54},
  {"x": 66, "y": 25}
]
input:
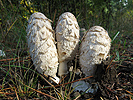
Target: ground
[{"x": 114, "y": 77}]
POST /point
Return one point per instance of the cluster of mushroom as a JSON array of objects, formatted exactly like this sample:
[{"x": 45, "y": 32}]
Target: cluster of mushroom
[{"x": 46, "y": 57}]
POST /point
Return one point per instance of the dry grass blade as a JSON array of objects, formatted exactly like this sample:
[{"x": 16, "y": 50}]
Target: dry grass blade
[
  {"x": 50, "y": 84},
  {"x": 76, "y": 80},
  {"x": 116, "y": 97},
  {"x": 110, "y": 63},
  {"x": 84, "y": 36},
  {"x": 62, "y": 79},
  {"x": 7, "y": 89},
  {"x": 41, "y": 92},
  {"x": 16, "y": 94},
  {"x": 13, "y": 59},
  {"x": 128, "y": 92},
  {"x": 48, "y": 81},
  {"x": 10, "y": 28},
  {"x": 6, "y": 93},
  {"x": 54, "y": 15},
  {"x": 70, "y": 82},
  {"x": 8, "y": 59},
  {"x": 101, "y": 98},
  {"x": 77, "y": 97}
]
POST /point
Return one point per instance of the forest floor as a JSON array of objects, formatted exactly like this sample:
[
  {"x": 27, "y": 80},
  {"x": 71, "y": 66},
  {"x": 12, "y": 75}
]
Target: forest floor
[{"x": 114, "y": 77}]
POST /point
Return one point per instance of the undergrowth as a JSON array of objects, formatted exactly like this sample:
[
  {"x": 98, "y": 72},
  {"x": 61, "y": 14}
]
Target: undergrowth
[{"x": 18, "y": 77}]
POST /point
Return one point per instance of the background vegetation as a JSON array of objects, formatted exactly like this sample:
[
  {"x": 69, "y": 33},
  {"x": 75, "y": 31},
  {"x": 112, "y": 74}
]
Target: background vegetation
[
  {"x": 116, "y": 16},
  {"x": 113, "y": 15}
]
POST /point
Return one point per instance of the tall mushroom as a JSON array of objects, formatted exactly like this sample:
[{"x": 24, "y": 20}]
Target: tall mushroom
[
  {"x": 41, "y": 45},
  {"x": 67, "y": 35},
  {"x": 93, "y": 49}
]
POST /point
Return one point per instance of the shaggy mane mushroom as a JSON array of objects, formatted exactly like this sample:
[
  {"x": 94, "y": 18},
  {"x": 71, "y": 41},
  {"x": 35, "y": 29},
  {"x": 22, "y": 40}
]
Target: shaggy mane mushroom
[
  {"x": 94, "y": 49},
  {"x": 41, "y": 45},
  {"x": 67, "y": 35}
]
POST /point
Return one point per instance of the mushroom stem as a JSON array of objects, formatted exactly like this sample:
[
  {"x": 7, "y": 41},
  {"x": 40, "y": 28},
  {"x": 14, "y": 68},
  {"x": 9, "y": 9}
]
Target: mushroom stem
[{"x": 62, "y": 68}]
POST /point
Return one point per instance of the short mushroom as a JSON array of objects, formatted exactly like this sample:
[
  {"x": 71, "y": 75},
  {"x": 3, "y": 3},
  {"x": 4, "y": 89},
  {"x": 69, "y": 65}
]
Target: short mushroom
[
  {"x": 94, "y": 49},
  {"x": 67, "y": 35},
  {"x": 41, "y": 45}
]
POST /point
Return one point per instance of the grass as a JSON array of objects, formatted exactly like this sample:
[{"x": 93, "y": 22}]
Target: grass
[
  {"x": 22, "y": 81},
  {"x": 18, "y": 78}
]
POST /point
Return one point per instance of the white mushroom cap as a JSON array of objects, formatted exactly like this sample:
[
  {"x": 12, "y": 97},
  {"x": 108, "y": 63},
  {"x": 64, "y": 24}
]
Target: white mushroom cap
[
  {"x": 67, "y": 35},
  {"x": 93, "y": 49},
  {"x": 41, "y": 45}
]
